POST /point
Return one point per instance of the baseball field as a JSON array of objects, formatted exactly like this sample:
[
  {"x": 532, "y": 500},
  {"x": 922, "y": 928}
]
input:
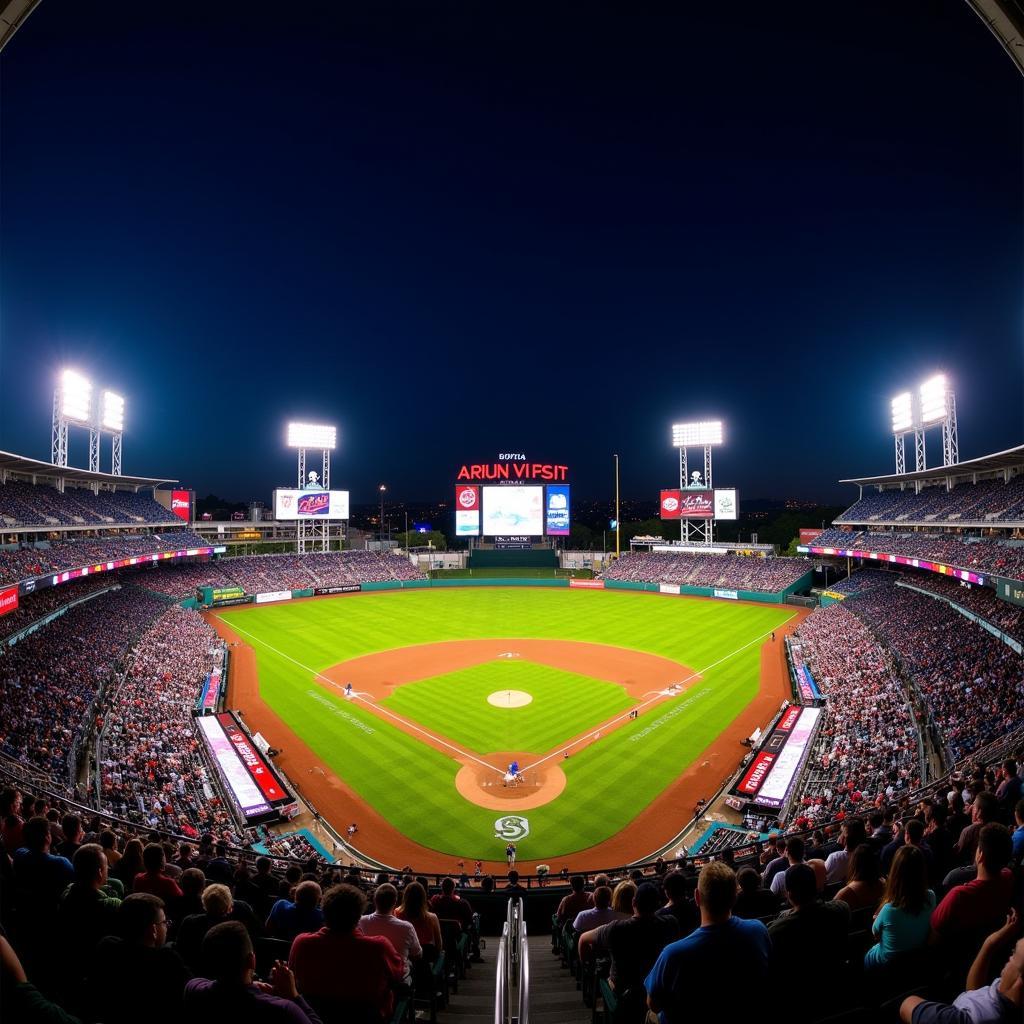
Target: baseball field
[{"x": 605, "y": 700}]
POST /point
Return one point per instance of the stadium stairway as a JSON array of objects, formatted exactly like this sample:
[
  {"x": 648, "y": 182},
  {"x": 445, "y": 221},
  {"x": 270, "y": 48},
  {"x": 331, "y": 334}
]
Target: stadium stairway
[
  {"x": 554, "y": 998},
  {"x": 474, "y": 1002}
]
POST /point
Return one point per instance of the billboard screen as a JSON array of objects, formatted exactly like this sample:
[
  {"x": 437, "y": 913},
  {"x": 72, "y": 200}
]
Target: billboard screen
[
  {"x": 467, "y": 511},
  {"x": 670, "y": 502},
  {"x": 8, "y": 599},
  {"x": 685, "y": 504},
  {"x": 290, "y": 504},
  {"x": 513, "y": 510},
  {"x": 726, "y": 503},
  {"x": 181, "y": 505},
  {"x": 557, "y": 510}
]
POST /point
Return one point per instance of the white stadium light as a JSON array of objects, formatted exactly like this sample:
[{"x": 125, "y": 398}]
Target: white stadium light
[
  {"x": 312, "y": 435},
  {"x": 934, "y": 394},
  {"x": 696, "y": 435},
  {"x": 903, "y": 413},
  {"x": 113, "y": 412},
  {"x": 75, "y": 396}
]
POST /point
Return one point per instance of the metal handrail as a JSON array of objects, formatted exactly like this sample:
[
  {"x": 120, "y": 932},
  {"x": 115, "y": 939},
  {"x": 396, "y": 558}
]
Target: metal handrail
[{"x": 501, "y": 990}]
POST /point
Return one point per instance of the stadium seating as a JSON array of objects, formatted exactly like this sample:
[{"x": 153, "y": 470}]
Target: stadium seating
[
  {"x": 25, "y": 504},
  {"x": 991, "y": 501},
  {"x": 735, "y": 572}
]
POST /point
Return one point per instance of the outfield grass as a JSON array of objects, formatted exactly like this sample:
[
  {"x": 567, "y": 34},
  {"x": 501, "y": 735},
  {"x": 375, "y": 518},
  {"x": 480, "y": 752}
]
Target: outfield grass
[
  {"x": 412, "y": 784},
  {"x": 455, "y": 706}
]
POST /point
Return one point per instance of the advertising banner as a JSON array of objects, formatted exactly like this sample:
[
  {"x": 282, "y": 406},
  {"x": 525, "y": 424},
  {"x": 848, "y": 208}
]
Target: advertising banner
[
  {"x": 349, "y": 588},
  {"x": 259, "y": 771},
  {"x": 244, "y": 791},
  {"x": 273, "y": 595},
  {"x": 181, "y": 505},
  {"x": 219, "y": 594},
  {"x": 755, "y": 774},
  {"x": 467, "y": 511},
  {"x": 878, "y": 556},
  {"x": 670, "y": 503},
  {"x": 730, "y": 595},
  {"x": 1008, "y": 590},
  {"x": 8, "y": 600},
  {"x": 726, "y": 503},
  {"x": 668, "y": 588},
  {"x": 557, "y": 510},
  {"x": 291, "y": 504},
  {"x": 587, "y": 584},
  {"x": 783, "y": 773},
  {"x": 697, "y": 505},
  {"x": 807, "y": 535},
  {"x": 765, "y": 756}
]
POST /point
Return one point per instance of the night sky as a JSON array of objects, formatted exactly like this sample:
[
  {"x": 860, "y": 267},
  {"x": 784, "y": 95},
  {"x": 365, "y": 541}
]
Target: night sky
[{"x": 454, "y": 230}]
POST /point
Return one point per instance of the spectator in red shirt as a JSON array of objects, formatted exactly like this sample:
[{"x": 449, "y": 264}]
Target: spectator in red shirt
[
  {"x": 576, "y": 902},
  {"x": 154, "y": 881},
  {"x": 981, "y": 905},
  {"x": 339, "y": 966}
]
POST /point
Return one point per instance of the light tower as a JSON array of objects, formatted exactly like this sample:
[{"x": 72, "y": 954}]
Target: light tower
[
  {"x": 935, "y": 405},
  {"x": 313, "y": 533},
  {"x": 73, "y": 405},
  {"x": 705, "y": 434}
]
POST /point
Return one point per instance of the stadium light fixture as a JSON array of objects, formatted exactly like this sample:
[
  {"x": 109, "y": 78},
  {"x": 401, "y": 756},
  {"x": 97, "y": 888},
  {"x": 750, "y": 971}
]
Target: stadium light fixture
[
  {"x": 312, "y": 435},
  {"x": 903, "y": 413},
  {"x": 697, "y": 435},
  {"x": 112, "y": 417},
  {"x": 934, "y": 399},
  {"x": 75, "y": 396}
]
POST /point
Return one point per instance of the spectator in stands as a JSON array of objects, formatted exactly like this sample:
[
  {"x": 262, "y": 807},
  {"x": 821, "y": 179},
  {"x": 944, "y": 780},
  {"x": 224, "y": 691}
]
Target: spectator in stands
[
  {"x": 690, "y": 975},
  {"x": 982, "y": 1002},
  {"x": 795, "y": 855},
  {"x": 903, "y": 922},
  {"x": 192, "y": 884},
  {"x": 339, "y": 964},
  {"x": 40, "y": 875},
  {"x": 289, "y": 918},
  {"x": 984, "y": 809},
  {"x": 218, "y": 905},
  {"x": 130, "y": 864},
  {"x": 136, "y": 968},
  {"x": 575, "y": 903},
  {"x": 11, "y": 821},
  {"x": 601, "y": 912},
  {"x": 753, "y": 900},
  {"x": 401, "y": 934},
  {"x": 20, "y": 1000},
  {"x": 622, "y": 899},
  {"x": 865, "y": 887},
  {"x": 153, "y": 880},
  {"x": 232, "y": 994},
  {"x": 449, "y": 904},
  {"x": 679, "y": 907},
  {"x": 514, "y": 887},
  {"x": 912, "y": 834},
  {"x": 633, "y": 944},
  {"x": 1008, "y": 792},
  {"x": 851, "y": 835},
  {"x": 414, "y": 909},
  {"x": 108, "y": 841},
  {"x": 1018, "y": 833},
  {"x": 981, "y": 904},
  {"x": 777, "y": 863},
  {"x": 71, "y": 828}
]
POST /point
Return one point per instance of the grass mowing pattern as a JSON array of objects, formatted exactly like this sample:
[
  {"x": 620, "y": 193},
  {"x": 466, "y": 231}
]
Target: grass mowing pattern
[
  {"x": 455, "y": 706},
  {"x": 412, "y": 785}
]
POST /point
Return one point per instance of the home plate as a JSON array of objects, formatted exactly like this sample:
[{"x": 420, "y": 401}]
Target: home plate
[{"x": 509, "y": 698}]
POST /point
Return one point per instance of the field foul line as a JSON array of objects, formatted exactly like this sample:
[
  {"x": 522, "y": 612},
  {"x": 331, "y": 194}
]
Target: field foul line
[
  {"x": 625, "y": 718},
  {"x": 405, "y": 722}
]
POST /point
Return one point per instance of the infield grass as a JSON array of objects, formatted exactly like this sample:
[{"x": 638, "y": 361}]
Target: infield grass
[{"x": 412, "y": 784}]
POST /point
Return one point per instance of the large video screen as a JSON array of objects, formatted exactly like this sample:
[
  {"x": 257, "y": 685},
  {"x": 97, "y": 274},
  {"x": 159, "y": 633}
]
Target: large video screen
[
  {"x": 467, "y": 511},
  {"x": 726, "y": 503},
  {"x": 515, "y": 511},
  {"x": 292, "y": 504},
  {"x": 557, "y": 510}
]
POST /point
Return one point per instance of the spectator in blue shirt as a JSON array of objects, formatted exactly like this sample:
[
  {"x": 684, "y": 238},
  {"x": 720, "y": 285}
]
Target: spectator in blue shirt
[
  {"x": 1018, "y": 832},
  {"x": 689, "y": 977},
  {"x": 288, "y": 919}
]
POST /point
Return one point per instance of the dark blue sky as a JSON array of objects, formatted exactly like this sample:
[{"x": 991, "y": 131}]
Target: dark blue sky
[{"x": 454, "y": 230}]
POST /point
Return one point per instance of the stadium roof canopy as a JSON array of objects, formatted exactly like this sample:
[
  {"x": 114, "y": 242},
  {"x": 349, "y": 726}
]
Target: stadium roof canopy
[
  {"x": 1005, "y": 20},
  {"x": 986, "y": 465},
  {"x": 23, "y": 466},
  {"x": 12, "y": 14}
]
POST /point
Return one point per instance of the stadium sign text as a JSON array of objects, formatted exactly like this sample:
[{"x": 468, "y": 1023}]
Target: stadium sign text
[{"x": 513, "y": 471}]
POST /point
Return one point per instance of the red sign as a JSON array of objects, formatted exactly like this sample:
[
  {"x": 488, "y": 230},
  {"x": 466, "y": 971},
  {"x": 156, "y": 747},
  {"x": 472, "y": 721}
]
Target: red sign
[
  {"x": 670, "y": 502},
  {"x": 789, "y": 719},
  {"x": 467, "y": 499},
  {"x": 181, "y": 506},
  {"x": 756, "y": 773},
  {"x": 514, "y": 471},
  {"x": 254, "y": 764},
  {"x": 587, "y": 584},
  {"x": 8, "y": 600},
  {"x": 806, "y": 536}
]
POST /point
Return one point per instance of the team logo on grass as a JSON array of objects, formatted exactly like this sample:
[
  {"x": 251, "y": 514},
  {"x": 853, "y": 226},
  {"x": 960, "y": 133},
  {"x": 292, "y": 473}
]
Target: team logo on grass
[{"x": 511, "y": 827}]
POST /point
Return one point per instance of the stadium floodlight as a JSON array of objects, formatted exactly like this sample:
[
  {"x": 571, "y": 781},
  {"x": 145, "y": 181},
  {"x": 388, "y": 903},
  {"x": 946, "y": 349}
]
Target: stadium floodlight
[
  {"x": 112, "y": 417},
  {"x": 312, "y": 435},
  {"x": 934, "y": 399},
  {"x": 903, "y": 413},
  {"x": 75, "y": 396},
  {"x": 696, "y": 435}
]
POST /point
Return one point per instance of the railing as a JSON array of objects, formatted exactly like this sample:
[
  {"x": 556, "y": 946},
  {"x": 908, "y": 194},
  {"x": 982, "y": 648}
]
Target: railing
[{"x": 512, "y": 994}]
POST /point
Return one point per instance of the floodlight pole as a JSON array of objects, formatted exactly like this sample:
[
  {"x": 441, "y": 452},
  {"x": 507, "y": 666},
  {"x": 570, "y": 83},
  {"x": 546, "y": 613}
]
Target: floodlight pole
[
  {"x": 683, "y": 474},
  {"x": 302, "y": 468},
  {"x": 94, "y": 447},
  {"x": 950, "y": 449},
  {"x": 920, "y": 462},
  {"x": 115, "y": 454},
  {"x": 901, "y": 455},
  {"x": 59, "y": 435}
]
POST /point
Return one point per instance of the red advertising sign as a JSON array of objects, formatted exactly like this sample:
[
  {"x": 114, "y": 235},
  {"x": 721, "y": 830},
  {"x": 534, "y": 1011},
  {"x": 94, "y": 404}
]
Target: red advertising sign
[
  {"x": 514, "y": 471},
  {"x": 697, "y": 505},
  {"x": 257, "y": 768},
  {"x": 181, "y": 506},
  {"x": 586, "y": 584},
  {"x": 8, "y": 600},
  {"x": 670, "y": 502},
  {"x": 806, "y": 536},
  {"x": 467, "y": 499},
  {"x": 756, "y": 773},
  {"x": 789, "y": 719}
]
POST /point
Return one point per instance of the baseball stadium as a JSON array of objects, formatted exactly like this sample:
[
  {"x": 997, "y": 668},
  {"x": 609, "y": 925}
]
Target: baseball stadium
[{"x": 277, "y": 764}]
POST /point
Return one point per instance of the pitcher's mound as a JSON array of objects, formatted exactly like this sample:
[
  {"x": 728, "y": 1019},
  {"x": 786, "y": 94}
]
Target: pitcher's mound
[
  {"x": 486, "y": 788},
  {"x": 510, "y": 698}
]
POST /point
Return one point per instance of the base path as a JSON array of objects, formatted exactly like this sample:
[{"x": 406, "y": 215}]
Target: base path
[{"x": 645, "y": 676}]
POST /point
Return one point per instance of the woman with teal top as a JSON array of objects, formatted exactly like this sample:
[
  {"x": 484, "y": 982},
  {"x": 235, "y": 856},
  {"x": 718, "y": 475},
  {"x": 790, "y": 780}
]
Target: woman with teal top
[{"x": 904, "y": 918}]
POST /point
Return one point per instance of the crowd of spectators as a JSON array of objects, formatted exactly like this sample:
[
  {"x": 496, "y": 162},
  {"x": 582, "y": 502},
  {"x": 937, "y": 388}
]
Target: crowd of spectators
[
  {"x": 25, "y": 504},
  {"x": 863, "y": 579},
  {"x": 292, "y": 845},
  {"x": 980, "y": 555},
  {"x": 988, "y": 500},
  {"x": 982, "y": 601},
  {"x": 734, "y": 572},
  {"x": 866, "y": 749},
  {"x": 261, "y": 573},
  {"x": 150, "y": 762},
  {"x": 50, "y": 679},
  {"x": 38, "y": 605},
  {"x": 18, "y": 563}
]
